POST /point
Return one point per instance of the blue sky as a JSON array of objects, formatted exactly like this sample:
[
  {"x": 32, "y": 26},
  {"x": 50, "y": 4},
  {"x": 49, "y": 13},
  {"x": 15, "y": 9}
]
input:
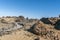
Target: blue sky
[{"x": 30, "y": 8}]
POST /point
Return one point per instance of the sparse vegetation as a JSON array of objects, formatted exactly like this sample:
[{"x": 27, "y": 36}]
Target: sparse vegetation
[{"x": 45, "y": 28}]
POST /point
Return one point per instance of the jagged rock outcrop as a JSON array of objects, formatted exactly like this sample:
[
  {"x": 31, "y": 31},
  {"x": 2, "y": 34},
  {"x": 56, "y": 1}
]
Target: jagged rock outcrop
[
  {"x": 51, "y": 20},
  {"x": 44, "y": 31},
  {"x": 45, "y": 20}
]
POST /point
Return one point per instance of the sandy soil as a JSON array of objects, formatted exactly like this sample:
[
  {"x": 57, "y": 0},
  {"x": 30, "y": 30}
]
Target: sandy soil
[{"x": 19, "y": 35}]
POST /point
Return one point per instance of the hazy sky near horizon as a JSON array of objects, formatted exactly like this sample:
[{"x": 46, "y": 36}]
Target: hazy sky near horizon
[{"x": 30, "y": 8}]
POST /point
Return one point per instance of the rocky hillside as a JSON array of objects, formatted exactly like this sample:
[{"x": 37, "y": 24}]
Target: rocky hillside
[{"x": 20, "y": 28}]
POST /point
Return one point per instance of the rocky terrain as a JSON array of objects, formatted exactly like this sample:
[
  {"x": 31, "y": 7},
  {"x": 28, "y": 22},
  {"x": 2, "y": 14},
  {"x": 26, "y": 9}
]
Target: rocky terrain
[{"x": 20, "y": 28}]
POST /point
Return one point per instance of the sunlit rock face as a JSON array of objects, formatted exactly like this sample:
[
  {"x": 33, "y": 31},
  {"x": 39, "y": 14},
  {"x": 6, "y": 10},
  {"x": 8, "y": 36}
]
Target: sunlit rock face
[
  {"x": 10, "y": 27},
  {"x": 44, "y": 30},
  {"x": 39, "y": 28}
]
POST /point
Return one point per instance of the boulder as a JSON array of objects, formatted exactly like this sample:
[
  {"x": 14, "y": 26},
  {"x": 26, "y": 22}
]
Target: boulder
[
  {"x": 51, "y": 20},
  {"x": 39, "y": 28},
  {"x": 57, "y": 25},
  {"x": 44, "y": 31},
  {"x": 45, "y": 20}
]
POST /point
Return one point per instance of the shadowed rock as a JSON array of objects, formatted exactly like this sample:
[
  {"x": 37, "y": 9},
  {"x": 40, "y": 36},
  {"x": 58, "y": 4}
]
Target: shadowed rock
[
  {"x": 57, "y": 25},
  {"x": 45, "y": 20}
]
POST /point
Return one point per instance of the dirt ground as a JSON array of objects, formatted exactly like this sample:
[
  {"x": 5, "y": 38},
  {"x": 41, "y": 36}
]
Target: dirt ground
[{"x": 19, "y": 35}]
